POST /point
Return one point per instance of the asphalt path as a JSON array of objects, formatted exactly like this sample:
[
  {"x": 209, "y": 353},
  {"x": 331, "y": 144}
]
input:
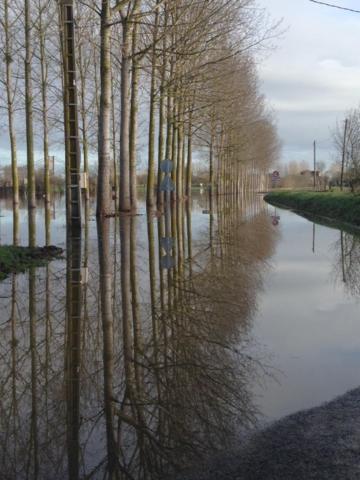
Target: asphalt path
[{"x": 322, "y": 443}]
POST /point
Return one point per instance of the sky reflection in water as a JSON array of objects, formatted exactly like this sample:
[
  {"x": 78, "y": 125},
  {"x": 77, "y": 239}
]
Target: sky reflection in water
[{"x": 308, "y": 316}]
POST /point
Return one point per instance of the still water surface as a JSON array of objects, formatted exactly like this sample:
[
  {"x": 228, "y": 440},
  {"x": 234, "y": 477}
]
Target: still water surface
[
  {"x": 308, "y": 316},
  {"x": 124, "y": 361}
]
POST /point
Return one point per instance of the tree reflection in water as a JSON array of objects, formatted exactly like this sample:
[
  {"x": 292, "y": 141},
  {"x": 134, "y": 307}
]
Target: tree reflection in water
[
  {"x": 139, "y": 368},
  {"x": 347, "y": 263}
]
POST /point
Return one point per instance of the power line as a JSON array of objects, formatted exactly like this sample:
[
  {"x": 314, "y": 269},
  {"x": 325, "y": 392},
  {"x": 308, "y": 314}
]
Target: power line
[{"x": 335, "y": 6}]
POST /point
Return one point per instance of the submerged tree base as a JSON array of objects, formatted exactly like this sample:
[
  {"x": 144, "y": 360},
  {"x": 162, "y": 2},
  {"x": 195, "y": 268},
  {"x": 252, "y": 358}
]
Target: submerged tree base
[
  {"x": 14, "y": 259},
  {"x": 334, "y": 206}
]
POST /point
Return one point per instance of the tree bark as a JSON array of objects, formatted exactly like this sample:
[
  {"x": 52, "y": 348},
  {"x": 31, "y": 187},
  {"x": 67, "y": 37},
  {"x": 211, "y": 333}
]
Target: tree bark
[
  {"x": 104, "y": 166},
  {"x": 105, "y": 284},
  {"x": 161, "y": 139},
  {"x": 133, "y": 119},
  {"x": 180, "y": 151},
  {"x": 189, "y": 157},
  {"x": 29, "y": 123},
  {"x": 84, "y": 123},
  {"x": 151, "y": 142},
  {"x": 125, "y": 200},
  {"x": 43, "y": 65},
  {"x": 10, "y": 110}
]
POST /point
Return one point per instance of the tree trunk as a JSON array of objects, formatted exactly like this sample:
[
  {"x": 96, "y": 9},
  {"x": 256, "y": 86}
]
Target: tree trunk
[
  {"x": 151, "y": 144},
  {"x": 29, "y": 123},
  {"x": 84, "y": 124},
  {"x": 174, "y": 149},
  {"x": 211, "y": 166},
  {"x": 12, "y": 136},
  {"x": 115, "y": 157},
  {"x": 74, "y": 294},
  {"x": 105, "y": 284},
  {"x": 34, "y": 435},
  {"x": 161, "y": 145},
  {"x": 137, "y": 332},
  {"x": 133, "y": 119},
  {"x": 104, "y": 166},
  {"x": 127, "y": 326},
  {"x": 180, "y": 146},
  {"x": 43, "y": 64},
  {"x": 343, "y": 156},
  {"x": 125, "y": 200},
  {"x": 189, "y": 157}
]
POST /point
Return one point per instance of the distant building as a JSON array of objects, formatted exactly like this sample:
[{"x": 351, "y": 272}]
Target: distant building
[{"x": 310, "y": 173}]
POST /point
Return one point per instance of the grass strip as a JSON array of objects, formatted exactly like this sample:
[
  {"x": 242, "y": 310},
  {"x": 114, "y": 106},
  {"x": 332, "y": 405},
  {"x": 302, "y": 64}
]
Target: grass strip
[{"x": 339, "y": 206}]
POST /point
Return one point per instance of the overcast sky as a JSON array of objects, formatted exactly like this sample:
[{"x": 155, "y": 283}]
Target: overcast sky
[{"x": 313, "y": 76}]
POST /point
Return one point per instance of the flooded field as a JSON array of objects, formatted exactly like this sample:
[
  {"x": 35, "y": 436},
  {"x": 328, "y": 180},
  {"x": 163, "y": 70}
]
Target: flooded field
[{"x": 160, "y": 340}]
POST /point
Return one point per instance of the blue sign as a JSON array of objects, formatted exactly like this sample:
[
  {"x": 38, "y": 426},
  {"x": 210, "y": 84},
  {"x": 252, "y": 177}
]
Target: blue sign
[
  {"x": 167, "y": 243},
  {"x": 166, "y": 166},
  {"x": 167, "y": 185},
  {"x": 167, "y": 262}
]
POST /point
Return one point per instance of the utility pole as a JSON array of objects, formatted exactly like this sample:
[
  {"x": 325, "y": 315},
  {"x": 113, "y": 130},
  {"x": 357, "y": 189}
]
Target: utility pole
[
  {"x": 167, "y": 242},
  {"x": 313, "y": 243},
  {"x": 314, "y": 164},
  {"x": 74, "y": 299},
  {"x": 343, "y": 155},
  {"x": 71, "y": 127},
  {"x": 343, "y": 255}
]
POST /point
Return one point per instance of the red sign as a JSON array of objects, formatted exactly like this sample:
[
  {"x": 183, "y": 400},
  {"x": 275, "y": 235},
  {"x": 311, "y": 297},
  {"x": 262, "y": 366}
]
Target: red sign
[{"x": 275, "y": 220}]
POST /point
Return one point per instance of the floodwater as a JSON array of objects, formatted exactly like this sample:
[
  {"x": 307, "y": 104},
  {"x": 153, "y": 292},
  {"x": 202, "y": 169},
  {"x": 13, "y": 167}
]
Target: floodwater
[{"x": 158, "y": 341}]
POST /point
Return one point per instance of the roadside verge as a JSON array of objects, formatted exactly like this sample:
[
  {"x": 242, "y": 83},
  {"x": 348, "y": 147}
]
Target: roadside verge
[{"x": 333, "y": 206}]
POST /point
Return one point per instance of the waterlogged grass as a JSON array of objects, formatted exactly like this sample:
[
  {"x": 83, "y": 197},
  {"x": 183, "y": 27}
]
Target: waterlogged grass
[
  {"x": 338, "y": 206},
  {"x": 18, "y": 259}
]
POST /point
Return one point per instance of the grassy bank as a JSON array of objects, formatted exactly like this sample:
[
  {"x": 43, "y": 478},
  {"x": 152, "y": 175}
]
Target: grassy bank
[
  {"x": 336, "y": 206},
  {"x": 18, "y": 259}
]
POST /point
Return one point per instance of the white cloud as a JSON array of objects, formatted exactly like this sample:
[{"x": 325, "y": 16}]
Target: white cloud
[{"x": 313, "y": 77}]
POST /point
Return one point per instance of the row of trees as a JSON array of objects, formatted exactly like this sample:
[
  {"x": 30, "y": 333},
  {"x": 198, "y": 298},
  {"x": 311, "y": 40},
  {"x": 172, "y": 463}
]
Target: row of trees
[
  {"x": 169, "y": 77},
  {"x": 347, "y": 144}
]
